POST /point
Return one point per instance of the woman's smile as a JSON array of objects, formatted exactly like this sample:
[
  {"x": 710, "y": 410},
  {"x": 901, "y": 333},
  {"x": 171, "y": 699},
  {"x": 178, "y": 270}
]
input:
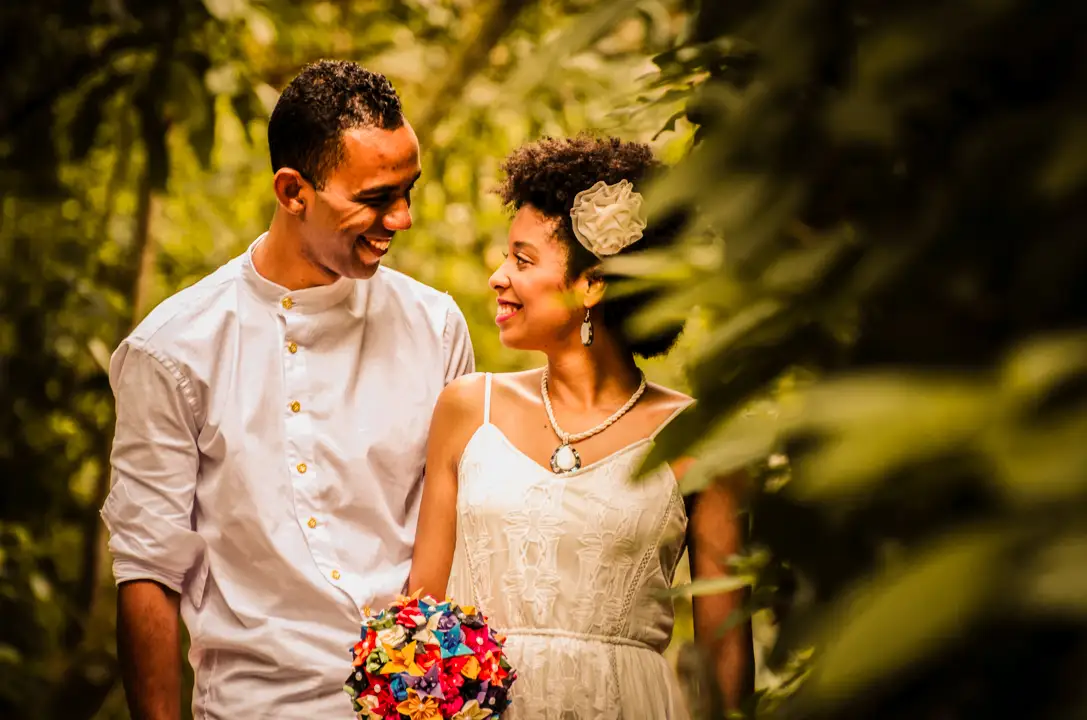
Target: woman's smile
[{"x": 506, "y": 310}]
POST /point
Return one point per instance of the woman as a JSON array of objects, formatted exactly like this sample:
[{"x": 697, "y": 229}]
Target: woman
[{"x": 553, "y": 542}]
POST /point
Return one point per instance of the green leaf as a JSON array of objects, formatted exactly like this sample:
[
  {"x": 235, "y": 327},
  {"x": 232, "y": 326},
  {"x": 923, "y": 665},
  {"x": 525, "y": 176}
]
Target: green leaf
[
  {"x": 870, "y": 426},
  {"x": 1055, "y": 579},
  {"x": 676, "y": 439},
  {"x": 1039, "y": 462},
  {"x": 899, "y": 618},
  {"x": 582, "y": 31},
  {"x": 712, "y": 586},
  {"x": 733, "y": 444},
  {"x": 9, "y": 655},
  {"x": 1042, "y": 363},
  {"x": 670, "y": 124},
  {"x": 803, "y": 269},
  {"x": 756, "y": 319}
]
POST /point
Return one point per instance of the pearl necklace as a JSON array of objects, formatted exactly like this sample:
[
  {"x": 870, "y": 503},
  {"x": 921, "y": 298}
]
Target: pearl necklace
[{"x": 565, "y": 459}]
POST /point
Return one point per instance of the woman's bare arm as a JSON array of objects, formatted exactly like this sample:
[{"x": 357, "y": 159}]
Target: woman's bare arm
[
  {"x": 715, "y": 533},
  {"x": 458, "y": 413}
]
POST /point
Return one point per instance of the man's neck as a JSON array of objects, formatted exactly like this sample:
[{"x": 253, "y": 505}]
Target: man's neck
[{"x": 279, "y": 258}]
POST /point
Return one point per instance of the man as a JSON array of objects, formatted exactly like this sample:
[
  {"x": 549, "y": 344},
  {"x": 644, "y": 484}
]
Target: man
[{"x": 272, "y": 422}]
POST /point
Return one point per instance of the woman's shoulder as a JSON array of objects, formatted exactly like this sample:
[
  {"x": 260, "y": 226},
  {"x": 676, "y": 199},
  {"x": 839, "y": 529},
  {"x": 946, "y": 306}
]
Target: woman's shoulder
[
  {"x": 466, "y": 395},
  {"x": 462, "y": 396},
  {"x": 667, "y": 401},
  {"x": 521, "y": 382}
]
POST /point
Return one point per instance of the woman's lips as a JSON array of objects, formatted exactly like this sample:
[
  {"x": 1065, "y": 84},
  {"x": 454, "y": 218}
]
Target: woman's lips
[{"x": 506, "y": 310}]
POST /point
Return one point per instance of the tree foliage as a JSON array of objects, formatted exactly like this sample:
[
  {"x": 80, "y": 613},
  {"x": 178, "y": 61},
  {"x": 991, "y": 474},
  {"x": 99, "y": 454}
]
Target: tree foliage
[
  {"x": 133, "y": 161},
  {"x": 891, "y": 256},
  {"x": 887, "y": 279}
]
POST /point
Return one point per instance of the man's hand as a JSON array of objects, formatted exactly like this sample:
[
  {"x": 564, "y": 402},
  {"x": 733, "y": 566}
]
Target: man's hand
[{"x": 149, "y": 650}]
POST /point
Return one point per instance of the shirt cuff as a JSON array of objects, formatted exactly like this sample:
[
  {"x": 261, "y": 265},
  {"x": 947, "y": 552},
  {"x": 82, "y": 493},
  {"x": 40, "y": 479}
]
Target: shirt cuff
[{"x": 128, "y": 571}]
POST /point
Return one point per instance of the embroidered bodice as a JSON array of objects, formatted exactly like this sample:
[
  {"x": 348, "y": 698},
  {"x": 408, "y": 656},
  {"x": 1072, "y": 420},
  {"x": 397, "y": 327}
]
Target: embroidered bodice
[{"x": 573, "y": 569}]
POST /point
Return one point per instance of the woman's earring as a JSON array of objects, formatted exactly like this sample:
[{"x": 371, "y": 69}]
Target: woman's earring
[{"x": 587, "y": 330}]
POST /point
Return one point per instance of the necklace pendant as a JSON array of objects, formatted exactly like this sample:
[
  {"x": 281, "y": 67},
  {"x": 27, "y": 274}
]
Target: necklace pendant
[{"x": 565, "y": 459}]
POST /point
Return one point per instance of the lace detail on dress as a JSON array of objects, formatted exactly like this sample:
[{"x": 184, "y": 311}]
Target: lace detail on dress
[
  {"x": 569, "y": 567},
  {"x": 652, "y": 553},
  {"x": 532, "y": 533}
]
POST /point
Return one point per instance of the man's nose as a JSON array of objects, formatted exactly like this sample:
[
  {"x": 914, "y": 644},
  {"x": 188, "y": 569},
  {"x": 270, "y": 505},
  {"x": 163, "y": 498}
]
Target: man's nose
[{"x": 399, "y": 216}]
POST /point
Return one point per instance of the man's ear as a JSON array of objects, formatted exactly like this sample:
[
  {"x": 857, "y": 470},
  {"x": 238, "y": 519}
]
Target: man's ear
[
  {"x": 291, "y": 190},
  {"x": 594, "y": 287}
]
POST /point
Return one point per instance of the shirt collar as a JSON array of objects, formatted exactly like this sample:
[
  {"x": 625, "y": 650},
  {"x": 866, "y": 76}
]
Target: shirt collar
[{"x": 309, "y": 300}]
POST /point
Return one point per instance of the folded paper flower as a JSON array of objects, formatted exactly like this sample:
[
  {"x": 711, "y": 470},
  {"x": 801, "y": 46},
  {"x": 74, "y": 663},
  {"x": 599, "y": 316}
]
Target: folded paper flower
[
  {"x": 419, "y": 708},
  {"x": 420, "y": 659},
  {"x": 401, "y": 661}
]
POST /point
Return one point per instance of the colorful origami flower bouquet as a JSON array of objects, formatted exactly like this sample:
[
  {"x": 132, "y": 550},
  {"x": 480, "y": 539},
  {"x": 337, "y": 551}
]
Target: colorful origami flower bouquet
[{"x": 421, "y": 659}]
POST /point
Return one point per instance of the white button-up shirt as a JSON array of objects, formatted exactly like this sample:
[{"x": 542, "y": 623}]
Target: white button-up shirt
[{"x": 267, "y": 464}]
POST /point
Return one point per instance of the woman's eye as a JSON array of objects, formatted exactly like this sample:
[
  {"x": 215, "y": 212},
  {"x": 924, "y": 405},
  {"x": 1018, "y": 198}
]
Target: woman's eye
[{"x": 521, "y": 262}]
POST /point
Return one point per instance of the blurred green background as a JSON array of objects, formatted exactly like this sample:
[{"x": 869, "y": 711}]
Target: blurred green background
[
  {"x": 885, "y": 285},
  {"x": 135, "y": 161}
]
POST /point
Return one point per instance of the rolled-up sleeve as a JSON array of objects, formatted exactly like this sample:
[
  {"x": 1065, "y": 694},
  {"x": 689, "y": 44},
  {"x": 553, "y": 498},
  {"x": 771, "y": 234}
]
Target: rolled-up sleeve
[
  {"x": 154, "y": 467},
  {"x": 460, "y": 358}
]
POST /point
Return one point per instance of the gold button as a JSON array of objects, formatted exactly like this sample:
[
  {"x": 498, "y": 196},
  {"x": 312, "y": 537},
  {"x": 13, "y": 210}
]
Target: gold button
[
  {"x": 335, "y": 574},
  {"x": 296, "y": 406},
  {"x": 292, "y": 347},
  {"x": 312, "y": 523},
  {"x": 287, "y": 303},
  {"x": 302, "y": 468}
]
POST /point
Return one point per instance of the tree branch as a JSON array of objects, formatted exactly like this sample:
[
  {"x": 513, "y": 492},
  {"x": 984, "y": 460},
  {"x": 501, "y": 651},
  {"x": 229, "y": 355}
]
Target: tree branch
[
  {"x": 81, "y": 694},
  {"x": 493, "y": 25},
  {"x": 78, "y": 69}
]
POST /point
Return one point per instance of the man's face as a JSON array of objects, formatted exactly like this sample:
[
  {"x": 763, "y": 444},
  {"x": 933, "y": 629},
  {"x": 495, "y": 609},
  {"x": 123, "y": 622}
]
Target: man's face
[{"x": 365, "y": 200}]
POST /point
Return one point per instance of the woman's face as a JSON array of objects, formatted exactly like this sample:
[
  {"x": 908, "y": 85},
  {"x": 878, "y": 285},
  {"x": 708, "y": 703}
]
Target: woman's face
[{"x": 538, "y": 309}]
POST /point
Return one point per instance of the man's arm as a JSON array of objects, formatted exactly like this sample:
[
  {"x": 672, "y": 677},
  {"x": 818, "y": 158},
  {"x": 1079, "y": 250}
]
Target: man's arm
[
  {"x": 457, "y": 345},
  {"x": 149, "y": 516},
  {"x": 149, "y": 649}
]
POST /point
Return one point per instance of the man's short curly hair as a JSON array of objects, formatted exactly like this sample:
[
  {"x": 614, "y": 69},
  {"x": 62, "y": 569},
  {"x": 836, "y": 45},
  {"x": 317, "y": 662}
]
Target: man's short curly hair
[
  {"x": 547, "y": 174},
  {"x": 328, "y": 97}
]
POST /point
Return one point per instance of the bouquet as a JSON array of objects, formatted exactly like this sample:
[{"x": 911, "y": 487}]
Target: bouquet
[{"x": 420, "y": 659}]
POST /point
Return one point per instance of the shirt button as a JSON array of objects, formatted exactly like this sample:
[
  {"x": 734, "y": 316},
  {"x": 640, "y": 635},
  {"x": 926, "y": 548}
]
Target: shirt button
[
  {"x": 312, "y": 523},
  {"x": 335, "y": 574},
  {"x": 301, "y": 468},
  {"x": 292, "y": 347},
  {"x": 296, "y": 406},
  {"x": 287, "y": 303}
]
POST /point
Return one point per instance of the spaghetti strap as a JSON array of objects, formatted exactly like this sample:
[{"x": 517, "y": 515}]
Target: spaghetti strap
[
  {"x": 487, "y": 399},
  {"x": 670, "y": 418}
]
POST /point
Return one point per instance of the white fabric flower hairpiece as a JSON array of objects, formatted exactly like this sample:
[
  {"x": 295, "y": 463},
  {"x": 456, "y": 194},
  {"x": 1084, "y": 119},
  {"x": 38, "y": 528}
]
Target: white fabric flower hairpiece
[{"x": 608, "y": 218}]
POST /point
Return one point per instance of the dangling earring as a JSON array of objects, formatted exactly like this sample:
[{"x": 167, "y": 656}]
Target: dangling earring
[{"x": 587, "y": 330}]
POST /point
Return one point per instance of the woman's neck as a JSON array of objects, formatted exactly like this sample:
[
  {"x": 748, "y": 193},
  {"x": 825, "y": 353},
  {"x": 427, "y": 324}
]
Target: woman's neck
[{"x": 582, "y": 378}]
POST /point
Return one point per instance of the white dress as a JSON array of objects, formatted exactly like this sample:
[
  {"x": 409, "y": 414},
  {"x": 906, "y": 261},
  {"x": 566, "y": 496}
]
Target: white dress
[{"x": 569, "y": 568}]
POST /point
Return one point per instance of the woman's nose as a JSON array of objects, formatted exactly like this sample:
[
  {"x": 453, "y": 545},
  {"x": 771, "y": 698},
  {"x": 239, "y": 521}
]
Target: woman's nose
[{"x": 498, "y": 279}]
